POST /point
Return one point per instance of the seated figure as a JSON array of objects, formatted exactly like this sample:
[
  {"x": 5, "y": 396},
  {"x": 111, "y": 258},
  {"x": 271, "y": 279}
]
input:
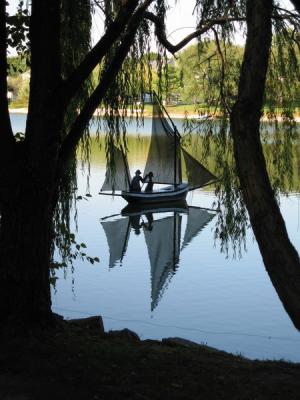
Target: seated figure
[
  {"x": 135, "y": 184},
  {"x": 149, "y": 187}
]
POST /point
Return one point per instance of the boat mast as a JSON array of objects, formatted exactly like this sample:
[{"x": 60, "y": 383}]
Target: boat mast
[
  {"x": 175, "y": 158},
  {"x": 174, "y": 240},
  {"x": 177, "y": 138},
  {"x": 126, "y": 165}
]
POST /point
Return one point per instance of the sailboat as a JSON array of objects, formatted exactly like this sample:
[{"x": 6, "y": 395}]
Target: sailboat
[
  {"x": 162, "y": 236},
  {"x": 165, "y": 160}
]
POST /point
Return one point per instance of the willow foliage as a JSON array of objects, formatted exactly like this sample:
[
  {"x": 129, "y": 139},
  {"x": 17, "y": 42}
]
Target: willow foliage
[
  {"x": 76, "y": 21},
  {"x": 220, "y": 76}
]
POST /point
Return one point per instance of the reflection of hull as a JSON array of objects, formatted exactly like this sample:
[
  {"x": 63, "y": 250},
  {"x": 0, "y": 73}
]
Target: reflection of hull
[
  {"x": 137, "y": 209},
  {"x": 164, "y": 195}
]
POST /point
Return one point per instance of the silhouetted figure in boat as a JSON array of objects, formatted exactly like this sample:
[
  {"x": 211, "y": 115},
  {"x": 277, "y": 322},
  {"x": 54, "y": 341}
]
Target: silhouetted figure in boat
[
  {"x": 148, "y": 225},
  {"x": 135, "y": 223},
  {"x": 149, "y": 187},
  {"x": 135, "y": 185}
]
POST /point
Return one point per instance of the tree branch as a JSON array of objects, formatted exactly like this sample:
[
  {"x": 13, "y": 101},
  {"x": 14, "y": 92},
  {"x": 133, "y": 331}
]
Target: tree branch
[
  {"x": 107, "y": 78},
  {"x": 113, "y": 32},
  {"x": 296, "y": 4},
  {"x": 286, "y": 14},
  {"x": 162, "y": 37}
]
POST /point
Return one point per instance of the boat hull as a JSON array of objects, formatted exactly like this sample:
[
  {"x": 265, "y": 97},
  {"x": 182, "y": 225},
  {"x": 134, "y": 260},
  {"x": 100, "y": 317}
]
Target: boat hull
[
  {"x": 133, "y": 209},
  {"x": 165, "y": 195}
]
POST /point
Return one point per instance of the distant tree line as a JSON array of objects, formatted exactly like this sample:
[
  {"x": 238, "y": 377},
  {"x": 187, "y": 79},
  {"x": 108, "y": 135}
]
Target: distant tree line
[
  {"x": 192, "y": 76},
  {"x": 17, "y": 83}
]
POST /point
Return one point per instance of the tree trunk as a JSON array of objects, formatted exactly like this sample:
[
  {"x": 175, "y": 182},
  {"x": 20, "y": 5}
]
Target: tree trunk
[
  {"x": 27, "y": 182},
  {"x": 279, "y": 256},
  {"x": 25, "y": 254}
]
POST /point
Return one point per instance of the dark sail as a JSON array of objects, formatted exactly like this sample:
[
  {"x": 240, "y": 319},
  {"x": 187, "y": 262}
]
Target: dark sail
[
  {"x": 197, "y": 174},
  {"x": 117, "y": 175},
  {"x": 163, "y": 148}
]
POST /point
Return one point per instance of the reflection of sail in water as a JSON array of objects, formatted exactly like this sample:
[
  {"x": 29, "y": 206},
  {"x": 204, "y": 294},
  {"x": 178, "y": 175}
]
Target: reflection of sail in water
[
  {"x": 163, "y": 243},
  {"x": 117, "y": 235},
  {"x": 162, "y": 238},
  {"x": 197, "y": 219}
]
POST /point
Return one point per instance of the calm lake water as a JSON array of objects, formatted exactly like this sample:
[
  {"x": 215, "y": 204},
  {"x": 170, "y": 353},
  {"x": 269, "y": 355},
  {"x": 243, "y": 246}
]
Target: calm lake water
[{"x": 208, "y": 296}]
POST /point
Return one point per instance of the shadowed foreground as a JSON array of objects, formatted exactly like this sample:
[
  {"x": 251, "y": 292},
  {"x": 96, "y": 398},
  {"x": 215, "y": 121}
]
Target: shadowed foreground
[{"x": 79, "y": 362}]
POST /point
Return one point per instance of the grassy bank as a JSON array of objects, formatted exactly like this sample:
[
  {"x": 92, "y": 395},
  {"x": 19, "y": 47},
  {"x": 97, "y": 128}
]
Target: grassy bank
[{"x": 81, "y": 363}]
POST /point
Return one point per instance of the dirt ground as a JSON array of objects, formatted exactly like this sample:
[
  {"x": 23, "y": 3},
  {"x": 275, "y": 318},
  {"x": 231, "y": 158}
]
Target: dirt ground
[{"x": 81, "y": 362}]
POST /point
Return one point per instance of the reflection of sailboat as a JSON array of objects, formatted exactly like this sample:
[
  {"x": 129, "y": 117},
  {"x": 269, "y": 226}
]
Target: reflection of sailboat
[
  {"x": 117, "y": 235},
  {"x": 162, "y": 236},
  {"x": 165, "y": 160},
  {"x": 163, "y": 243}
]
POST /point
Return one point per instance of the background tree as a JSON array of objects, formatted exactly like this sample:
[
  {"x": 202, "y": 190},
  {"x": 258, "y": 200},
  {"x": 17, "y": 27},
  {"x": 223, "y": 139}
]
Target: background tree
[
  {"x": 200, "y": 68},
  {"x": 279, "y": 255}
]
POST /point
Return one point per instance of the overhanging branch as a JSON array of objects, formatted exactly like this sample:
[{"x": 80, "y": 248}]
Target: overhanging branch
[
  {"x": 208, "y": 25},
  {"x": 296, "y": 4},
  {"x": 162, "y": 37},
  {"x": 222, "y": 78}
]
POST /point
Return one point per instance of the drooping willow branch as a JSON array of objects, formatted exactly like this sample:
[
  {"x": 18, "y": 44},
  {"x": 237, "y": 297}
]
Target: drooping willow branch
[
  {"x": 95, "y": 56},
  {"x": 107, "y": 78},
  {"x": 287, "y": 14},
  {"x": 222, "y": 80}
]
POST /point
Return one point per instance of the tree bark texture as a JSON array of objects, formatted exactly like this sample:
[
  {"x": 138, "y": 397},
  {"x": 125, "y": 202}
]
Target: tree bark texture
[
  {"x": 279, "y": 255},
  {"x": 25, "y": 244},
  {"x": 27, "y": 182}
]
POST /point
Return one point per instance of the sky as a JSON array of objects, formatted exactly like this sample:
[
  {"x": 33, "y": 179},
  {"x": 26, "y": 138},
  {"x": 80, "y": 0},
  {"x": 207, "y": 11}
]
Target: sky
[
  {"x": 181, "y": 20},
  {"x": 180, "y": 17}
]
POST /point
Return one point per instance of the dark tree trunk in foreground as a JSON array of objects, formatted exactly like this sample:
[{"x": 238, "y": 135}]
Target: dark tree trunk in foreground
[
  {"x": 279, "y": 256},
  {"x": 25, "y": 243},
  {"x": 30, "y": 170},
  {"x": 27, "y": 183}
]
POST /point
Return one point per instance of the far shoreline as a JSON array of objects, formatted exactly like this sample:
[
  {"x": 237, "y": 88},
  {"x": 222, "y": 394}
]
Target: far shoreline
[{"x": 24, "y": 110}]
